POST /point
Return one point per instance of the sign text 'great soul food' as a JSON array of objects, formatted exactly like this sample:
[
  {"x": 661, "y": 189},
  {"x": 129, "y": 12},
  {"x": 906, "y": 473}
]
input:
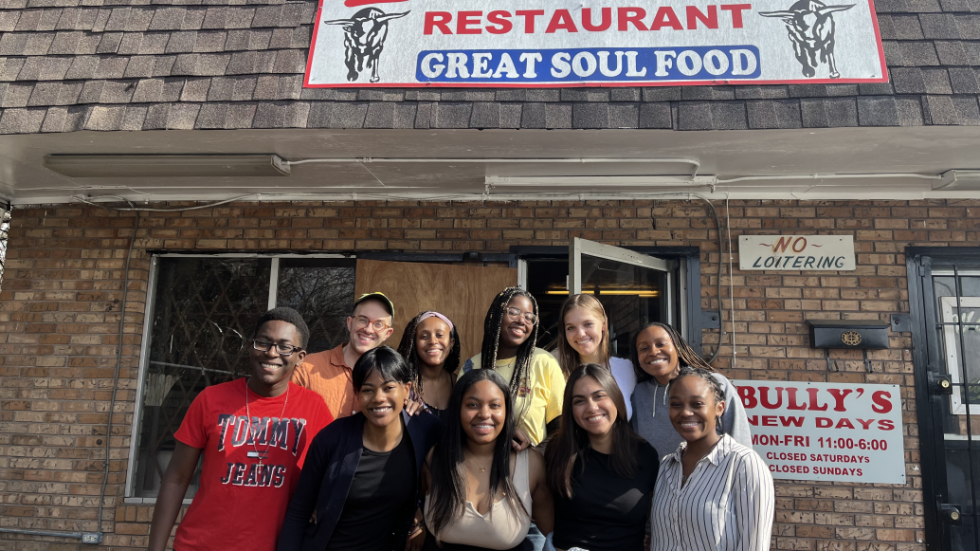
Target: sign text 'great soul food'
[
  {"x": 517, "y": 43},
  {"x": 827, "y": 431}
]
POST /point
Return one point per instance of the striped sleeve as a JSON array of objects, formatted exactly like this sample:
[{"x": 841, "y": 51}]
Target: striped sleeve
[{"x": 755, "y": 498}]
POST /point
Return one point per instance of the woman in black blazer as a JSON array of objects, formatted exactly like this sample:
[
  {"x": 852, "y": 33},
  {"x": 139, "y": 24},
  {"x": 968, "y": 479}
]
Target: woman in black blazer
[{"x": 373, "y": 458}]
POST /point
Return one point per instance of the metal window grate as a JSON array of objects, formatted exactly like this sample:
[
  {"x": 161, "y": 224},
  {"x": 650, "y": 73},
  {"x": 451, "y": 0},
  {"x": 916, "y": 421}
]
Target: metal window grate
[{"x": 205, "y": 311}]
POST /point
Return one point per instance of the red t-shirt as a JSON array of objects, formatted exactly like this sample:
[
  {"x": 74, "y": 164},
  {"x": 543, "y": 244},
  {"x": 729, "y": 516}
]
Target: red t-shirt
[{"x": 239, "y": 504}]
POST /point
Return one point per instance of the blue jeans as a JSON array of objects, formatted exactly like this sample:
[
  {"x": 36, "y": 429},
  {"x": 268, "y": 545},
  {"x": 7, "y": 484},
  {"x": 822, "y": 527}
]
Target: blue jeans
[{"x": 536, "y": 541}]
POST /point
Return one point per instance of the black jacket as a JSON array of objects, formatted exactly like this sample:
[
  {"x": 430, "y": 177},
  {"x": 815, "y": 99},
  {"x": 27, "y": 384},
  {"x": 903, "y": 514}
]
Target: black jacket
[{"x": 328, "y": 473}]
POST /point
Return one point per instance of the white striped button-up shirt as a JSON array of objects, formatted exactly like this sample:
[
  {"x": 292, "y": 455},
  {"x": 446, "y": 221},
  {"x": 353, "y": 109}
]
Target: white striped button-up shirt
[{"x": 727, "y": 504}]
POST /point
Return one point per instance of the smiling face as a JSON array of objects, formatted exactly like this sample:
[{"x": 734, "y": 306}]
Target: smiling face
[
  {"x": 483, "y": 412},
  {"x": 514, "y": 330},
  {"x": 592, "y": 407},
  {"x": 584, "y": 331},
  {"x": 382, "y": 401},
  {"x": 271, "y": 370},
  {"x": 656, "y": 354},
  {"x": 694, "y": 411},
  {"x": 363, "y": 335},
  {"x": 433, "y": 341}
]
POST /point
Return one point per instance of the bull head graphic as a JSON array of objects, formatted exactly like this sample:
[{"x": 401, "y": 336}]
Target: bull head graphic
[
  {"x": 364, "y": 38},
  {"x": 811, "y": 30}
]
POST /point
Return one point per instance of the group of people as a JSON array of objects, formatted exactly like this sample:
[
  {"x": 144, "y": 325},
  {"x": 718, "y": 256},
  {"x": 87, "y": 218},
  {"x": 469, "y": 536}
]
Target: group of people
[{"x": 363, "y": 447}]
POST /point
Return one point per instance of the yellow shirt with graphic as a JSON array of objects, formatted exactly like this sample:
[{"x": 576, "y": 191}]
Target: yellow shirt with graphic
[{"x": 545, "y": 388}]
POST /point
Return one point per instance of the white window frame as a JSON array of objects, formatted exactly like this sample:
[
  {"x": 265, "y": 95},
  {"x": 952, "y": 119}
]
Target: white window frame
[{"x": 950, "y": 343}]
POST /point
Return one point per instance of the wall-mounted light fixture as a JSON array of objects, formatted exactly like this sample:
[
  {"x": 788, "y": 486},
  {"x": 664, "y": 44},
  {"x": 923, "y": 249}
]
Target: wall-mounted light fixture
[{"x": 959, "y": 180}]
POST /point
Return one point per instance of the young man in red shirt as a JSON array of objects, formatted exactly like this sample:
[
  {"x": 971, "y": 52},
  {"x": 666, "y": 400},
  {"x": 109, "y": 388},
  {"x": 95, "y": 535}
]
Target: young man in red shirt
[{"x": 253, "y": 434}]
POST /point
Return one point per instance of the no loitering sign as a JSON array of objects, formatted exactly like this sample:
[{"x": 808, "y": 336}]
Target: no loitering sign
[
  {"x": 827, "y": 431},
  {"x": 516, "y": 43},
  {"x": 796, "y": 252}
]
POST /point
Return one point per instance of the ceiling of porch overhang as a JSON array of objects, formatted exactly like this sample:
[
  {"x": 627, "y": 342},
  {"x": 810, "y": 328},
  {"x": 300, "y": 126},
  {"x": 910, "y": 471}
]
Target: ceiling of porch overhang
[{"x": 514, "y": 164}]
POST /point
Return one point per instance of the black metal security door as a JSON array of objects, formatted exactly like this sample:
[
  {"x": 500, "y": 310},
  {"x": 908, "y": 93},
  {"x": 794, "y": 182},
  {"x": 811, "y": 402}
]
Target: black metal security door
[{"x": 944, "y": 298}]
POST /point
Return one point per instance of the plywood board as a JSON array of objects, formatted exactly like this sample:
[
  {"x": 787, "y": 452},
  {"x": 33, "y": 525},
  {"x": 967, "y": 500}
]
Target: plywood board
[{"x": 461, "y": 292}]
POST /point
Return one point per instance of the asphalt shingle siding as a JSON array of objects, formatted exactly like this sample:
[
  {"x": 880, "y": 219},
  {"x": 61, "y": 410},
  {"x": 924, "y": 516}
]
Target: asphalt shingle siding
[{"x": 68, "y": 65}]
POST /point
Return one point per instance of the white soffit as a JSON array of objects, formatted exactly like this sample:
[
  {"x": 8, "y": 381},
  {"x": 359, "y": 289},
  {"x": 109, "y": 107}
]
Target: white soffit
[{"x": 851, "y": 163}]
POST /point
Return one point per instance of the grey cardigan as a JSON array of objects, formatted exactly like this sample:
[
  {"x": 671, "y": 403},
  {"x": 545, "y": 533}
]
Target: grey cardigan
[{"x": 651, "y": 415}]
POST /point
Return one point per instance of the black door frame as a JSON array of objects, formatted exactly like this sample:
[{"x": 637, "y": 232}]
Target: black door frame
[{"x": 925, "y": 360}]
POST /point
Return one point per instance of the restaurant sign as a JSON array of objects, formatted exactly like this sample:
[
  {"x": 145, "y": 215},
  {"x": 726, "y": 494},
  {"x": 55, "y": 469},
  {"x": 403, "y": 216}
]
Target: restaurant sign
[
  {"x": 827, "y": 431},
  {"x": 796, "y": 252},
  {"x": 515, "y": 43}
]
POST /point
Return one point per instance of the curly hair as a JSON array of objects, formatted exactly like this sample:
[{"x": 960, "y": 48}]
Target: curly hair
[
  {"x": 288, "y": 315},
  {"x": 408, "y": 349}
]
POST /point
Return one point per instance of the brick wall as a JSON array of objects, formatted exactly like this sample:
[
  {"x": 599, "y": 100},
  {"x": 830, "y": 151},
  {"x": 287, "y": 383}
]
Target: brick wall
[{"x": 61, "y": 297}]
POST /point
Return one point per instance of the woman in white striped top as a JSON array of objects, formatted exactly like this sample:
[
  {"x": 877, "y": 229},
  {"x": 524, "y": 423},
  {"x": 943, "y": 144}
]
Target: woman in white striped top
[{"x": 713, "y": 494}]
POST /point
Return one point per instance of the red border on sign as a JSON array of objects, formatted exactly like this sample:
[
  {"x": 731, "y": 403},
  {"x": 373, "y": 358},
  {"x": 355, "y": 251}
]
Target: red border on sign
[{"x": 874, "y": 21}]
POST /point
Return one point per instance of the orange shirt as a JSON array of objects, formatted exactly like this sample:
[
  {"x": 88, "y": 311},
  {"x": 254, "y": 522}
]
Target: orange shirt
[{"x": 326, "y": 374}]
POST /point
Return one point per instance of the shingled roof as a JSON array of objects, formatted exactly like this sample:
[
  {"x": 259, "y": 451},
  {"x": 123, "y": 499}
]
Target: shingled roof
[{"x": 68, "y": 65}]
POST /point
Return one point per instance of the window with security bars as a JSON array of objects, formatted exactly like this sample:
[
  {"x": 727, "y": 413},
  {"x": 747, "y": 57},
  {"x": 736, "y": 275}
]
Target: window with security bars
[
  {"x": 956, "y": 295},
  {"x": 203, "y": 312}
]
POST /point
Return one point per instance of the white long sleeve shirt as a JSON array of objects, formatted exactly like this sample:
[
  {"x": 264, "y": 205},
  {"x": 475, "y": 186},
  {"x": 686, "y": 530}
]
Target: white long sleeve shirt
[{"x": 727, "y": 504}]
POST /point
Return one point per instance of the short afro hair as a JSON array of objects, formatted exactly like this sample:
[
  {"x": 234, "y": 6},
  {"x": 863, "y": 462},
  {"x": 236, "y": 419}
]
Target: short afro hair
[{"x": 287, "y": 315}]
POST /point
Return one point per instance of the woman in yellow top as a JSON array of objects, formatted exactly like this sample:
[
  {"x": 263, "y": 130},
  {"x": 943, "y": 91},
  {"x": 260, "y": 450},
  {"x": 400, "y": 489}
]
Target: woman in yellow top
[{"x": 535, "y": 378}]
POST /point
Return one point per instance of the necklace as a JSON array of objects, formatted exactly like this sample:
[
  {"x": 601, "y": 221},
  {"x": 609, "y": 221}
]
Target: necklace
[
  {"x": 482, "y": 469},
  {"x": 255, "y": 453}
]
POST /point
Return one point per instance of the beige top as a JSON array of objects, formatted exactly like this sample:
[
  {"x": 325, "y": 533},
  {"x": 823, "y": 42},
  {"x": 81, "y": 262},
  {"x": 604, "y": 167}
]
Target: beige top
[{"x": 502, "y": 527}]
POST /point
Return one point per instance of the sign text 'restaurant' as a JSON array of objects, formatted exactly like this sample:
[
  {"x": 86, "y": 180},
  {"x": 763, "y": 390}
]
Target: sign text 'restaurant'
[{"x": 512, "y": 43}]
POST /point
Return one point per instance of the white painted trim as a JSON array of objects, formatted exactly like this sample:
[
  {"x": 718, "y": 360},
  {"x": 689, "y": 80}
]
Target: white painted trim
[
  {"x": 832, "y": 192},
  {"x": 273, "y": 283},
  {"x": 585, "y": 247},
  {"x": 522, "y": 273},
  {"x": 951, "y": 273},
  {"x": 144, "y": 363},
  {"x": 682, "y": 296},
  {"x": 149, "y": 501},
  {"x": 953, "y": 361}
]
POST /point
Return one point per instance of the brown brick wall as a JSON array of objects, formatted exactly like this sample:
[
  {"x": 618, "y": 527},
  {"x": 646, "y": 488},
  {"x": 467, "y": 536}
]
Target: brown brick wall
[{"x": 60, "y": 303}]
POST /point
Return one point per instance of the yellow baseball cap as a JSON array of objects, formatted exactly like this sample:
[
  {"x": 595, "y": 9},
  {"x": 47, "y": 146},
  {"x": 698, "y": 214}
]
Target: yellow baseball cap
[{"x": 378, "y": 296}]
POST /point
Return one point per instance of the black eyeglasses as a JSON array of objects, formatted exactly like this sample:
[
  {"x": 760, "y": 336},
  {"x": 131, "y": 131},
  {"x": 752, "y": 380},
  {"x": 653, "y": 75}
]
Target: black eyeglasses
[{"x": 283, "y": 350}]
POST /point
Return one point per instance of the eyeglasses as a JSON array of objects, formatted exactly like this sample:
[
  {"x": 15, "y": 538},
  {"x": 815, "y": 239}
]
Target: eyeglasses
[
  {"x": 283, "y": 350},
  {"x": 514, "y": 313},
  {"x": 360, "y": 322}
]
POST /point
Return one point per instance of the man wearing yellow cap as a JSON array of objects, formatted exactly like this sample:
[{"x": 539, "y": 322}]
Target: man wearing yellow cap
[{"x": 328, "y": 373}]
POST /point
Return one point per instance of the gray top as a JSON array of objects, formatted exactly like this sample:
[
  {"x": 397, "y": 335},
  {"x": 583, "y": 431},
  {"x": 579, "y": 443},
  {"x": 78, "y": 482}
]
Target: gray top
[{"x": 651, "y": 415}]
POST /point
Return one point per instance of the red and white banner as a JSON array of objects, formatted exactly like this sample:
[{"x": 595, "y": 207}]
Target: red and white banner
[
  {"x": 516, "y": 43},
  {"x": 827, "y": 431}
]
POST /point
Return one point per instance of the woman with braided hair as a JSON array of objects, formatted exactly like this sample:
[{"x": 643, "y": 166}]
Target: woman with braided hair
[
  {"x": 430, "y": 346},
  {"x": 535, "y": 378},
  {"x": 659, "y": 353}
]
